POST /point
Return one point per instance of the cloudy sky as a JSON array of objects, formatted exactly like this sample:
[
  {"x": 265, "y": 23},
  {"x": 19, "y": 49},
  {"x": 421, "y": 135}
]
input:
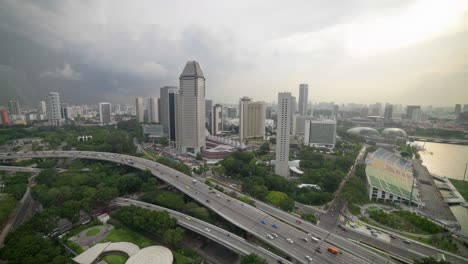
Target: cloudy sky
[{"x": 363, "y": 51}]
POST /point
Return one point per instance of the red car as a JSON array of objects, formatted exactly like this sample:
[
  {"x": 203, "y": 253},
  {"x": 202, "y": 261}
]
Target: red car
[{"x": 298, "y": 222}]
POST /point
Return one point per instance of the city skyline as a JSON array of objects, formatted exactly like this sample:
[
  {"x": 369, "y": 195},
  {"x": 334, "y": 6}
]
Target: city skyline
[{"x": 337, "y": 51}]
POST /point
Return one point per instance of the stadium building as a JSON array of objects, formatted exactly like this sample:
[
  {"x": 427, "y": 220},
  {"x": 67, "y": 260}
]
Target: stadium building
[{"x": 390, "y": 178}]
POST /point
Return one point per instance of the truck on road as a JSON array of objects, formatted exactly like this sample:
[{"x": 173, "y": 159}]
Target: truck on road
[{"x": 333, "y": 250}]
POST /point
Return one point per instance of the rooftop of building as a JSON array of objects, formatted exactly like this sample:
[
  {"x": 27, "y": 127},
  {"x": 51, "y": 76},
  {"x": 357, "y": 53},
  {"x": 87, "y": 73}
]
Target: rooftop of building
[
  {"x": 192, "y": 69},
  {"x": 363, "y": 131},
  {"x": 391, "y": 173}
]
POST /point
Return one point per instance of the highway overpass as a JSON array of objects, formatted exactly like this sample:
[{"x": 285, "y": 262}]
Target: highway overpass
[
  {"x": 249, "y": 218},
  {"x": 221, "y": 236}
]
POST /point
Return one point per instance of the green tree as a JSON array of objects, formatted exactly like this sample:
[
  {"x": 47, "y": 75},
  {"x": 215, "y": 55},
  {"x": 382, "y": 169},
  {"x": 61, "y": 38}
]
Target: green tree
[
  {"x": 264, "y": 148},
  {"x": 275, "y": 198},
  {"x": 174, "y": 237},
  {"x": 164, "y": 141},
  {"x": 252, "y": 259}
]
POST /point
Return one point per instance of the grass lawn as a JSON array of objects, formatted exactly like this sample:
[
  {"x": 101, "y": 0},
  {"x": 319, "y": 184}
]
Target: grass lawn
[
  {"x": 74, "y": 247},
  {"x": 462, "y": 187},
  {"x": 126, "y": 235},
  {"x": 115, "y": 259},
  {"x": 7, "y": 204},
  {"x": 92, "y": 232},
  {"x": 179, "y": 259}
]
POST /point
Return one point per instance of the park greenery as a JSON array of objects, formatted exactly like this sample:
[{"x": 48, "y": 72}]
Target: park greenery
[
  {"x": 325, "y": 171},
  {"x": 14, "y": 187},
  {"x": 252, "y": 259},
  {"x": 355, "y": 190},
  {"x": 438, "y": 133},
  {"x": 106, "y": 139},
  {"x": 405, "y": 221},
  {"x": 157, "y": 223},
  {"x": 462, "y": 187}
]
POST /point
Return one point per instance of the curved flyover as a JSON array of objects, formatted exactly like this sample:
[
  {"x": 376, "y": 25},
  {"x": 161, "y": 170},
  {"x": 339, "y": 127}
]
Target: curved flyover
[{"x": 258, "y": 223}]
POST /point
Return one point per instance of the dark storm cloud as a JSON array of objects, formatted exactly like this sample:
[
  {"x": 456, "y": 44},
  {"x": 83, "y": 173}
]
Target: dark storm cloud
[{"x": 92, "y": 51}]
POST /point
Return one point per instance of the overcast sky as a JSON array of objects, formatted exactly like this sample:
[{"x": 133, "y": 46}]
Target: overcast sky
[{"x": 363, "y": 51}]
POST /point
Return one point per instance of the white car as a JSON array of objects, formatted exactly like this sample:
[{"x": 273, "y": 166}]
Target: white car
[
  {"x": 289, "y": 240},
  {"x": 308, "y": 258},
  {"x": 207, "y": 229},
  {"x": 269, "y": 236},
  {"x": 274, "y": 234}
]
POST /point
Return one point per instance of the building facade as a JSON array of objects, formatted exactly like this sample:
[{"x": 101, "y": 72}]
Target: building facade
[
  {"x": 388, "y": 113},
  {"x": 54, "y": 109},
  {"x": 217, "y": 120},
  {"x": 300, "y": 123},
  {"x": 153, "y": 110},
  {"x": 190, "y": 105},
  {"x": 410, "y": 109},
  {"x": 303, "y": 99},
  {"x": 4, "y": 119},
  {"x": 42, "y": 108},
  {"x": 208, "y": 113},
  {"x": 105, "y": 113},
  {"x": 283, "y": 132},
  {"x": 251, "y": 119},
  {"x": 14, "y": 108},
  {"x": 140, "y": 110},
  {"x": 320, "y": 133}
]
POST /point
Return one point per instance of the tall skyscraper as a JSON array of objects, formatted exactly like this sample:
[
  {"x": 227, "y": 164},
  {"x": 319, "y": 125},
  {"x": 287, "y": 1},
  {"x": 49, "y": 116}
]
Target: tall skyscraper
[
  {"x": 217, "y": 122},
  {"x": 54, "y": 109},
  {"x": 104, "y": 113},
  {"x": 4, "y": 119},
  {"x": 388, "y": 113},
  {"x": 458, "y": 109},
  {"x": 292, "y": 119},
  {"x": 168, "y": 110},
  {"x": 140, "y": 110},
  {"x": 153, "y": 110},
  {"x": 465, "y": 108},
  {"x": 42, "y": 108},
  {"x": 14, "y": 108},
  {"x": 251, "y": 118},
  {"x": 208, "y": 112},
  {"x": 283, "y": 133},
  {"x": 303, "y": 99},
  {"x": 190, "y": 105},
  {"x": 410, "y": 109},
  {"x": 320, "y": 133},
  {"x": 416, "y": 115}
]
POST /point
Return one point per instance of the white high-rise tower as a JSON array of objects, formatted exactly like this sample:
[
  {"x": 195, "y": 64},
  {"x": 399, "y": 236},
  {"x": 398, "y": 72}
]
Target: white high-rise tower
[
  {"x": 303, "y": 99},
  {"x": 104, "y": 113},
  {"x": 283, "y": 131},
  {"x": 140, "y": 110},
  {"x": 54, "y": 114},
  {"x": 190, "y": 106},
  {"x": 153, "y": 113}
]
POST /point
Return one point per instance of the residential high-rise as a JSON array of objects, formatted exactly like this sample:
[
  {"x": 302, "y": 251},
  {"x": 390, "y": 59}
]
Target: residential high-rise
[
  {"x": 153, "y": 110},
  {"x": 208, "y": 112},
  {"x": 14, "y": 108},
  {"x": 4, "y": 119},
  {"x": 283, "y": 133},
  {"x": 168, "y": 110},
  {"x": 388, "y": 112},
  {"x": 416, "y": 115},
  {"x": 300, "y": 123},
  {"x": 320, "y": 133},
  {"x": 303, "y": 99},
  {"x": 42, "y": 109},
  {"x": 140, "y": 110},
  {"x": 458, "y": 109},
  {"x": 292, "y": 119},
  {"x": 231, "y": 112},
  {"x": 251, "y": 118},
  {"x": 410, "y": 109},
  {"x": 190, "y": 105},
  {"x": 54, "y": 109},
  {"x": 217, "y": 122},
  {"x": 104, "y": 113},
  {"x": 465, "y": 108}
]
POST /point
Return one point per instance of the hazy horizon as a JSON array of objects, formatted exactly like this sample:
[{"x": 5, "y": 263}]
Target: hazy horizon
[{"x": 361, "y": 51}]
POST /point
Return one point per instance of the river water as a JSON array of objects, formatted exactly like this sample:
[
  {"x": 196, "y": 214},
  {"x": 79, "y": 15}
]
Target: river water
[{"x": 448, "y": 160}]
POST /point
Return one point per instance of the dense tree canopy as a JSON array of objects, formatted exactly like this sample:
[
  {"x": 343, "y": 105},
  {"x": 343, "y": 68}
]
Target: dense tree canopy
[{"x": 252, "y": 259}]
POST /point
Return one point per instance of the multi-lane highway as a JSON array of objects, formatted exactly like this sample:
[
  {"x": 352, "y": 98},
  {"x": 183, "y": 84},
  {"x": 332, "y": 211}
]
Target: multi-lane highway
[
  {"x": 290, "y": 239},
  {"x": 219, "y": 235}
]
